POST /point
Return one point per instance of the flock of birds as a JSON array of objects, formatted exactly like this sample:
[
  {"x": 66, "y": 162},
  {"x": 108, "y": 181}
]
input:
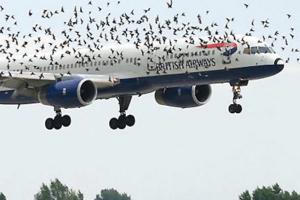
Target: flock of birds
[{"x": 85, "y": 29}]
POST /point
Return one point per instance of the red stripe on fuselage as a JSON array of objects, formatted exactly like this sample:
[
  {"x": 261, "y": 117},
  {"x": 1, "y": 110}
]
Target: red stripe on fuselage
[{"x": 217, "y": 45}]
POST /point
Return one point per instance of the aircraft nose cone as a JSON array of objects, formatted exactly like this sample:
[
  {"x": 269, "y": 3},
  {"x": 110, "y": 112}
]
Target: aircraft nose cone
[{"x": 279, "y": 63}]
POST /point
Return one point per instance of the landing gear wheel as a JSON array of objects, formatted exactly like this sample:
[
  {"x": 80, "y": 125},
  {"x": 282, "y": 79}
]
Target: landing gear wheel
[
  {"x": 66, "y": 121},
  {"x": 122, "y": 122},
  {"x": 235, "y": 108},
  {"x": 130, "y": 120},
  {"x": 232, "y": 108},
  {"x": 113, "y": 123},
  {"x": 49, "y": 124},
  {"x": 57, "y": 122},
  {"x": 239, "y": 109}
]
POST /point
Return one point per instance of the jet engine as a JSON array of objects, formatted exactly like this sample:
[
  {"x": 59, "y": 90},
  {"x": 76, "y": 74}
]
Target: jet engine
[
  {"x": 184, "y": 97},
  {"x": 72, "y": 93}
]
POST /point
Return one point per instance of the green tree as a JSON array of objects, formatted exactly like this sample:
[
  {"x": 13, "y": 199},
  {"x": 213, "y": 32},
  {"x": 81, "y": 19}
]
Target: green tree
[
  {"x": 112, "y": 194},
  {"x": 276, "y": 189},
  {"x": 2, "y": 196},
  {"x": 57, "y": 191},
  {"x": 245, "y": 196},
  {"x": 270, "y": 193}
]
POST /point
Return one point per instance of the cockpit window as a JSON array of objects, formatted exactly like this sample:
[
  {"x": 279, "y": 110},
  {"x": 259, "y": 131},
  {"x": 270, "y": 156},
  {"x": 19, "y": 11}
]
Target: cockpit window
[
  {"x": 254, "y": 50},
  {"x": 261, "y": 50},
  {"x": 264, "y": 50}
]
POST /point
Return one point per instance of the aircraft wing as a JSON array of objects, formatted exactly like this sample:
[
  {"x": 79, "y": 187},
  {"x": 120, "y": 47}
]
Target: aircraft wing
[{"x": 16, "y": 80}]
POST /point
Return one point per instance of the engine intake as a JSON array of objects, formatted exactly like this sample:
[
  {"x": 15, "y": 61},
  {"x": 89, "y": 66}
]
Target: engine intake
[
  {"x": 71, "y": 93},
  {"x": 184, "y": 97}
]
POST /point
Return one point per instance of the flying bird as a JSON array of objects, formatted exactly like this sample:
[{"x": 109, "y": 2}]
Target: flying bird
[{"x": 170, "y": 3}]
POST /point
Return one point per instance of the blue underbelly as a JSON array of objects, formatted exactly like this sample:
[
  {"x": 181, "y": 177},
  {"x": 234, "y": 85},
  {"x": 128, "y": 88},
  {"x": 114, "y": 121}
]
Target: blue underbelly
[
  {"x": 151, "y": 83},
  {"x": 148, "y": 84}
]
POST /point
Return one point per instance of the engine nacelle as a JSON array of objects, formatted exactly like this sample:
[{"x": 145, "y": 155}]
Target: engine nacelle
[
  {"x": 184, "y": 97},
  {"x": 72, "y": 93}
]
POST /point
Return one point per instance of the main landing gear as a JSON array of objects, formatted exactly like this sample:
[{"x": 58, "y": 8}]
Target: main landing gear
[
  {"x": 235, "y": 107},
  {"x": 123, "y": 120},
  {"x": 59, "y": 121}
]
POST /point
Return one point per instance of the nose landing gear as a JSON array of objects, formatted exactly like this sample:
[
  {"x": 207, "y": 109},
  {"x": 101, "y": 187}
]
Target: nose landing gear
[
  {"x": 123, "y": 120},
  {"x": 59, "y": 121},
  {"x": 235, "y": 107}
]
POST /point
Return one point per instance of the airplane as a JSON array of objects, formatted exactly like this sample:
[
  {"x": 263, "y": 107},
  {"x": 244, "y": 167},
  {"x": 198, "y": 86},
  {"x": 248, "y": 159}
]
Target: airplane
[{"x": 180, "y": 75}]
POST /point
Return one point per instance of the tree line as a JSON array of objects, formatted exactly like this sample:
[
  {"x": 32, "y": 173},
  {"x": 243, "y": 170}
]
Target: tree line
[
  {"x": 269, "y": 193},
  {"x": 57, "y": 191}
]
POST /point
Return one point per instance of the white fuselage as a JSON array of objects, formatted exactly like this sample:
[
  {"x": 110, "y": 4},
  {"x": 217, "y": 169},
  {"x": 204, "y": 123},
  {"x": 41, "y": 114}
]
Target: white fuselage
[{"x": 144, "y": 72}]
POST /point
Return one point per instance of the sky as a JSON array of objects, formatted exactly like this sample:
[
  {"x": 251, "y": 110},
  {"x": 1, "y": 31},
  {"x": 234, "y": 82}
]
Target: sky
[{"x": 170, "y": 154}]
